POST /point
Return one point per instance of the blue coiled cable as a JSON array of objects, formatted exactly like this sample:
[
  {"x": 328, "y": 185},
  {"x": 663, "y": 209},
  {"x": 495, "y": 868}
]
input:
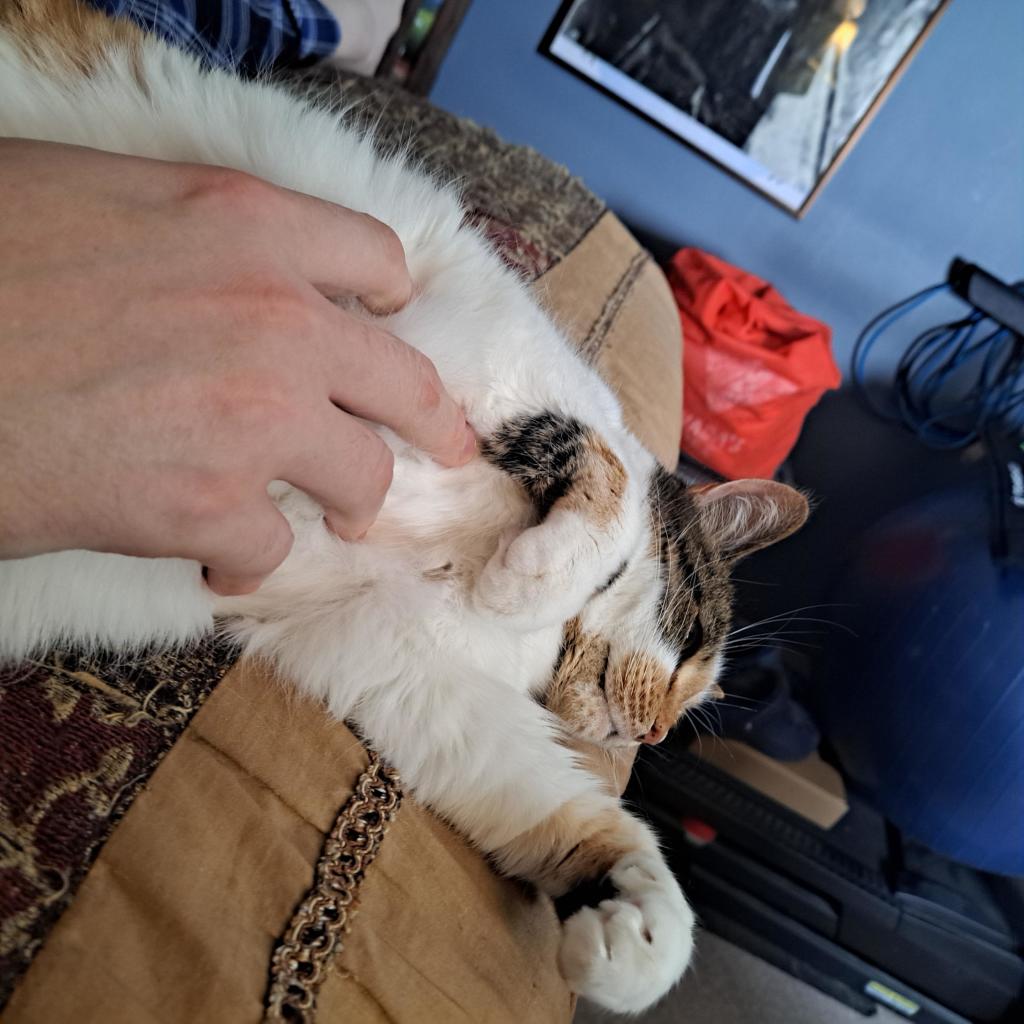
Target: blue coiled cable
[{"x": 954, "y": 381}]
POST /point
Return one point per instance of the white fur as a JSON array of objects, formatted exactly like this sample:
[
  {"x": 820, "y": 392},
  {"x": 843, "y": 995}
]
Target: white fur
[
  {"x": 108, "y": 600},
  {"x": 628, "y": 952},
  {"x": 438, "y": 674}
]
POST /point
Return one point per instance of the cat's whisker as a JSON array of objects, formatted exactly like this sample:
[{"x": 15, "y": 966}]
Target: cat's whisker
[
  {"x": 768, "y": 640},
  {"x": 793, "y": 616},
  {"x": 792, "y": 647},
  {"x": 740, "y": 707},
  {"x": 783, "y": 626},
  {"x": 781, "y": 629},
  {"x": 699, "y": 716},
  {"x": 714, "y": 709},
  {"x": 700, "y": 742},
  {"x": 658, "y": 752}
]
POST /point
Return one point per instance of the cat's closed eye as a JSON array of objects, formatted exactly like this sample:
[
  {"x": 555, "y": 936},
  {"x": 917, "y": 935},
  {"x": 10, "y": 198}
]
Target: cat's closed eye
[{"x": 694, "y": 642}]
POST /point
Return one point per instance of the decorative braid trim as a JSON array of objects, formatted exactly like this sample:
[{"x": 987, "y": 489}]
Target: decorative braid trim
[
  {"x": 590, "y": 347},
  {"x": 315, "y": 934}
]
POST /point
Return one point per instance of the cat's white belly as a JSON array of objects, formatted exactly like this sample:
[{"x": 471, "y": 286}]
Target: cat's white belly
[{"x": 408, "y": 586}]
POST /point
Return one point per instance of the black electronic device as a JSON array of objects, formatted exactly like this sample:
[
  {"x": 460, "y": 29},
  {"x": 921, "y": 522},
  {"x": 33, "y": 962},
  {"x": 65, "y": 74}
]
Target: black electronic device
[
  {"x": 988, "y": 294},
  {"x": 1006, "y": 455},
  {"x": 954, "y": 381},
  {"x": 851, "y": 911}
]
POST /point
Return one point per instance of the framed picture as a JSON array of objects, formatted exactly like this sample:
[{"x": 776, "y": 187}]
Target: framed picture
[{"x": 775, "y": 91}]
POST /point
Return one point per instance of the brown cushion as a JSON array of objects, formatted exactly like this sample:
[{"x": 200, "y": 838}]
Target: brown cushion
[
  {"x": 177, "y": 919},
  {"x": 615, "y": 304}
]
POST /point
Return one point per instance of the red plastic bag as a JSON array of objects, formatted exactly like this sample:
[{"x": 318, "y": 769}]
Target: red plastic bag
[{"x": 753, "y": 366}]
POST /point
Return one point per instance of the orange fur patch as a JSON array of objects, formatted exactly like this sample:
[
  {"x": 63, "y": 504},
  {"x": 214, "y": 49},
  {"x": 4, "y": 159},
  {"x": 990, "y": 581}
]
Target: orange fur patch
[
  {"x": 580, "y": 841},
  {"x": 688, "y": 684},
  {"x": 600, "y": 484},
  {"x": 638, "y": 684},
  {"x": 573, "y": 694},
  {"x": 640, "y": 687},
  {"x": 70, "y": 31}
]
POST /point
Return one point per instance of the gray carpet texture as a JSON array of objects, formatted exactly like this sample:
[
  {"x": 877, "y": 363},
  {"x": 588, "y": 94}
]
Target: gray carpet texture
[{"x": 726, "y": 985}]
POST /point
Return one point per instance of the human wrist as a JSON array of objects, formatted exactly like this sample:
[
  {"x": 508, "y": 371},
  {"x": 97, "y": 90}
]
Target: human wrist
[{"x": 28, "y": 523}]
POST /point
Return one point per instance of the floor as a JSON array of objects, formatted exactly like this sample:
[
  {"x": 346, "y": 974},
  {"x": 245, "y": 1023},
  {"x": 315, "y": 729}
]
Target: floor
[{"x": 726, "y": 985}]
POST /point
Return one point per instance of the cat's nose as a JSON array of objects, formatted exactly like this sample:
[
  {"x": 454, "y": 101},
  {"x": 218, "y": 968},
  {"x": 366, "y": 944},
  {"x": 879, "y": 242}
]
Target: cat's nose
[{"x": 655, "y": 734}]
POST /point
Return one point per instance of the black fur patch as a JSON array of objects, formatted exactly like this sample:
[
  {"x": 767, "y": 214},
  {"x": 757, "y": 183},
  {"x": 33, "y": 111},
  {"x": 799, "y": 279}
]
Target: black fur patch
[
  {"x": 544, "y": 453},
  {"x": 589, "y": 893}
]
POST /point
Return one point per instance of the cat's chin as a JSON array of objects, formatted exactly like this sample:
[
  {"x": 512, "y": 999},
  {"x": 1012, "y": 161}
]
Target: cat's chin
[
  {"x": 616, "y": 742},
  {"x": 599, "y": 728}
]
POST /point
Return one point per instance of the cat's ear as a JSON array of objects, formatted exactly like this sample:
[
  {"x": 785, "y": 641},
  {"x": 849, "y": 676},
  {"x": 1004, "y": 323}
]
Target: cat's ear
[{"x": 742, "y": 516}]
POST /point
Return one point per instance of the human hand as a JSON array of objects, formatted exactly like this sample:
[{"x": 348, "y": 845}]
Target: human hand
[{"x": 167, "y": 350}]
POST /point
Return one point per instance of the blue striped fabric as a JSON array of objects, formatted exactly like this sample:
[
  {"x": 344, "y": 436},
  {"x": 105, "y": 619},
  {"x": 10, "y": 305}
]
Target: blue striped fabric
[{"x": 249, "y": 36}]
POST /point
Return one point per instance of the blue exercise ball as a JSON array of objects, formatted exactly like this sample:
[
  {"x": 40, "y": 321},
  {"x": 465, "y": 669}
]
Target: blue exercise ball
[{"x": 925, "y": 706}]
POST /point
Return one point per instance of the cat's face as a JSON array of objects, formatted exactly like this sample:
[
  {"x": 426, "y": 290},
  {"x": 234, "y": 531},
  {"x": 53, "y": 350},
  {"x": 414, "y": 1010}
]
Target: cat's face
[{"x": 648, "y": 644}]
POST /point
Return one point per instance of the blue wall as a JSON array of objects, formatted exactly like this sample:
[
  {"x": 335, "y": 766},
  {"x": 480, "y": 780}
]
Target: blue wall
[{"x": 939, "y": 172}]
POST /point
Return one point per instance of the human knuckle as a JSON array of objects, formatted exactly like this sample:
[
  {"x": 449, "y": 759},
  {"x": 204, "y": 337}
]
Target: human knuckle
[
  {"x": 381, "y": 469},
  {"x": 391, "y": 249},
  {"x": 226, "y": 191},
  {"x": 388, "y": 252},
  {"x": 429, "y": 391},
  {"x": 253, "y": 398},
  {"x": 271, "y": 542}
]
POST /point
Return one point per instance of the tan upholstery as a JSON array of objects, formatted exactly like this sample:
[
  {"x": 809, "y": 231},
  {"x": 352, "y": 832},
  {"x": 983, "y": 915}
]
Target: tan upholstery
[{"x": 615, "y": 303}]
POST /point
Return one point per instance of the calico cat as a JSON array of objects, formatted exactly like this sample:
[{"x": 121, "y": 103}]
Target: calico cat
[{"x": 562, "y": 563}]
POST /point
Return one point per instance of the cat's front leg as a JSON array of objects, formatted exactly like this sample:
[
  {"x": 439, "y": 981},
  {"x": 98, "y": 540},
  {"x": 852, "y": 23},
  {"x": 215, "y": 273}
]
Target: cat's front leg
[
  {"x": 490, "y": 760},
  {"x": 627, "y": 927},
  {"x": 630, "y": 949},
  {"x": 587, "y": 502}
]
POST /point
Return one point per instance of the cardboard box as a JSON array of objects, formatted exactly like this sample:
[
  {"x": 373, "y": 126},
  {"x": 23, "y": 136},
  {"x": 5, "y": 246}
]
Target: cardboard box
[{"x": 810, "y": 788}]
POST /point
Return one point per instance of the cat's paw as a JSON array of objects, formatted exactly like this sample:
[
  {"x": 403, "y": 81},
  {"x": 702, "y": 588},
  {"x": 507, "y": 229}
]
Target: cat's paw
[
  {"x": 545, "y": 574},
  {"x": 526, "y": 573},
  {"x": 628, "y": 951}
]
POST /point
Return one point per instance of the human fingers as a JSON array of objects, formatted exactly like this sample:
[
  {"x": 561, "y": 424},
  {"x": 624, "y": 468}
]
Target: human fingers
[
  {"x": 345, "y": 467},
  {"x": 337, "y": 250},
  {"x": 377, "y": 376},
  {"x": 245, "y": 547}
]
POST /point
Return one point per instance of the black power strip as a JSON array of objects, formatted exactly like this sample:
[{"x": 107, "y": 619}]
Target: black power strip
[
  {"x": 986, "y": 292},
  {"x": 789, "y": 892}
]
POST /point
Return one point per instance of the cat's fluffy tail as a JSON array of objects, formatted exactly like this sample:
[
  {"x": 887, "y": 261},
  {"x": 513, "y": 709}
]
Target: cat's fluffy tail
[{"x": 90, "y": 600}]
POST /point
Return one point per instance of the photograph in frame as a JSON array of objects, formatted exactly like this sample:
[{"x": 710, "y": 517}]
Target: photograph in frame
[{"x": 775, "y": 91}]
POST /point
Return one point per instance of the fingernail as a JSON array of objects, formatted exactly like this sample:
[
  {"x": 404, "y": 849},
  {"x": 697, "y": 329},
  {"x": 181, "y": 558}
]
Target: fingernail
[
  {"x": 348, "y": 533},
  {"x": 337, "y": 526},
  {"x": 469, "y": 449},
  {"x": 233, "y": 586}
]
